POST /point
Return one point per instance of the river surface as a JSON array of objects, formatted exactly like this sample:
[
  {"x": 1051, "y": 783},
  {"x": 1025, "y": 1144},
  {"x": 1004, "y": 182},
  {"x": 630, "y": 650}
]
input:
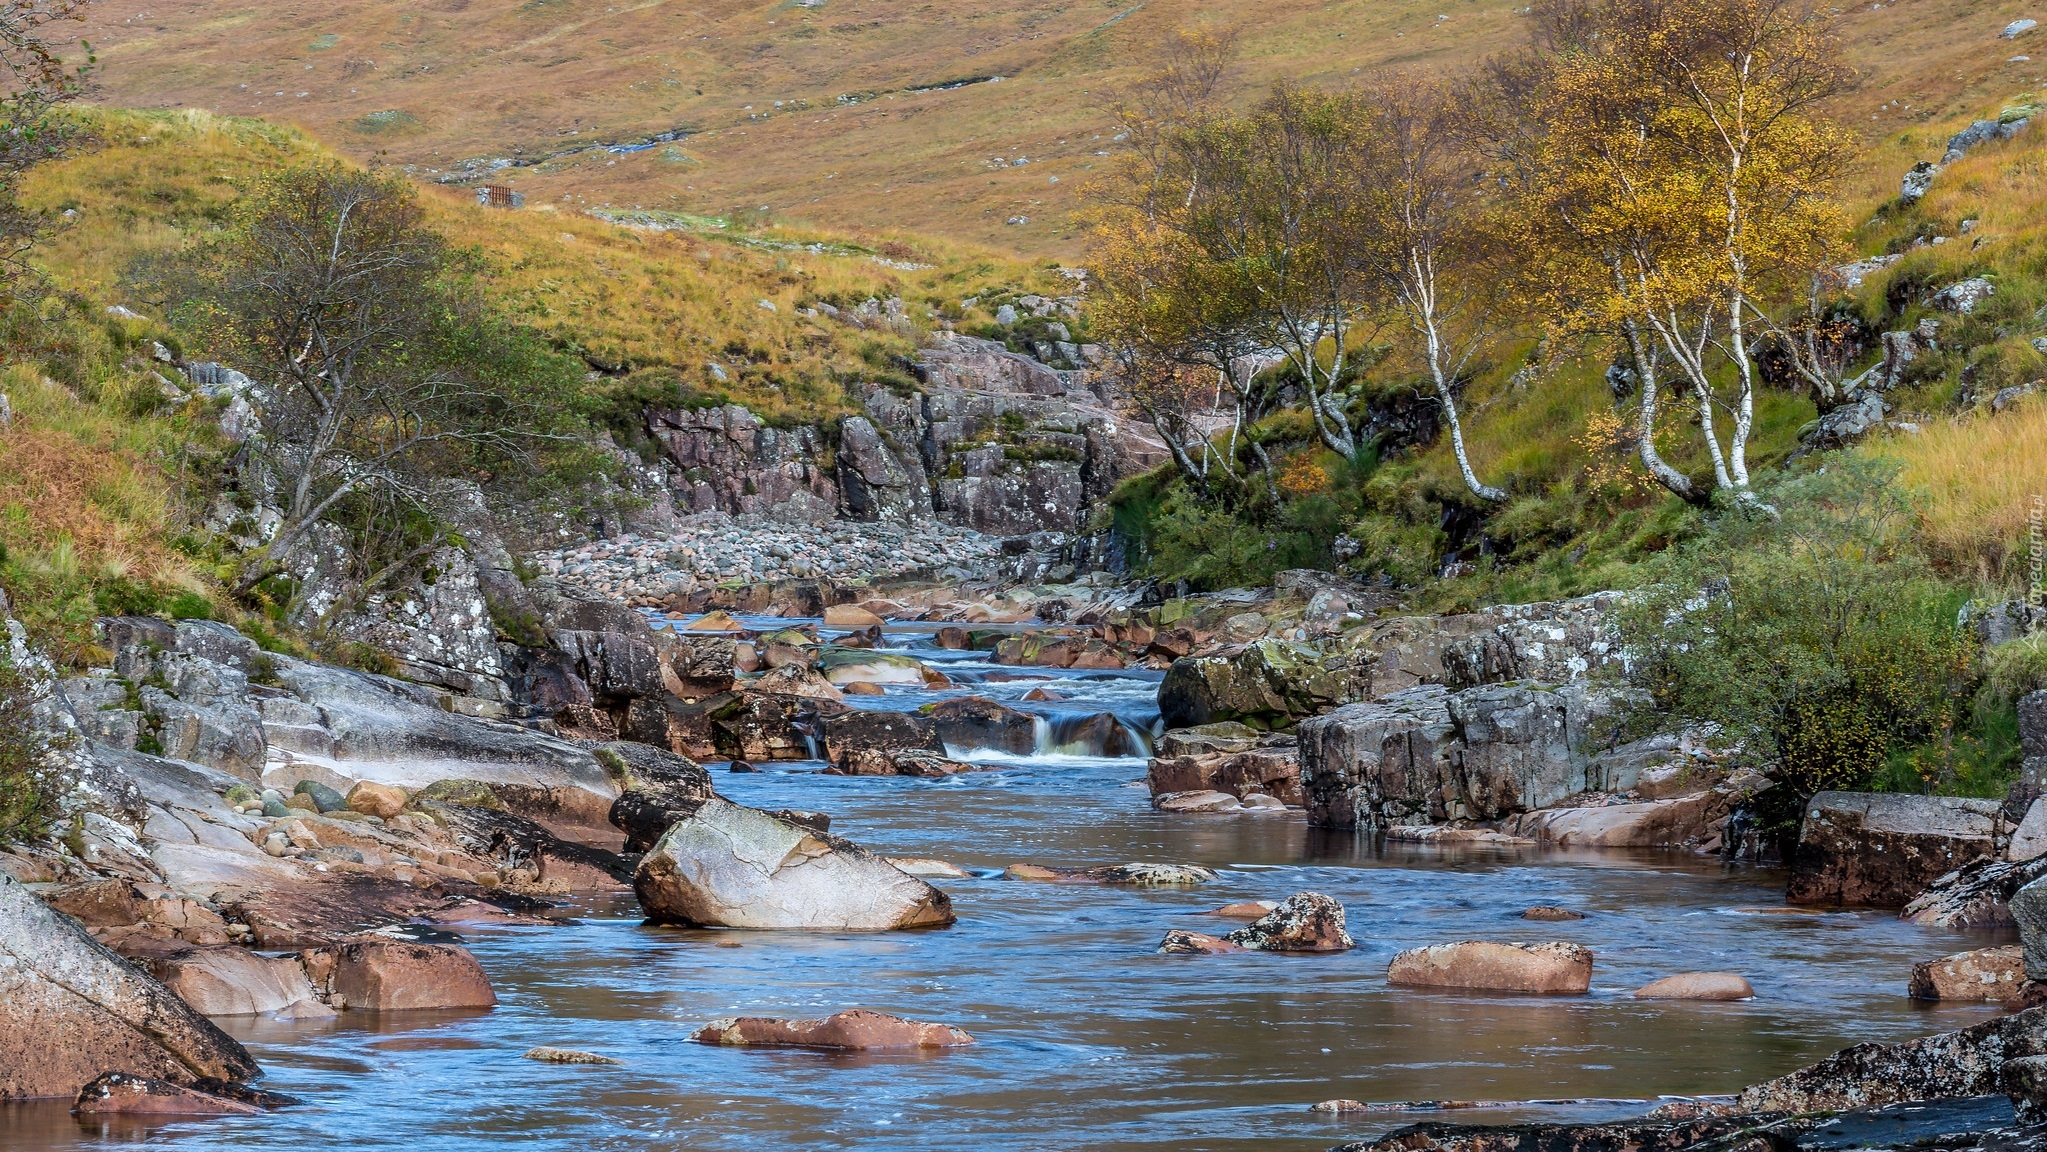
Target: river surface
[{"x": 1087, "y": 1038}]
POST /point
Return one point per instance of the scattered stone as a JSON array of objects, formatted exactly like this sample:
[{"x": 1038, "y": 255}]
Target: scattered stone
[
  {"x": 1549, "y": 967},
  {"x": 855, "y": 1030},
  {"x": 548, "y": 1055},
  {"x": 2013, "y": 30},
  {"x": 1142, "y": 875},
  {"x": 735, "y": 867},
  {"x": 1697, "y": 986},
  {"x": 324, "y": 799},
  {"x": 1551, "y": 913},
  {"x": 1983, "y": 974}
]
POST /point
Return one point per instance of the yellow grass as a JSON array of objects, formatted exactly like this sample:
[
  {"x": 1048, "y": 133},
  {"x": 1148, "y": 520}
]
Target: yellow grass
[{"x": 1980, "y": 477}]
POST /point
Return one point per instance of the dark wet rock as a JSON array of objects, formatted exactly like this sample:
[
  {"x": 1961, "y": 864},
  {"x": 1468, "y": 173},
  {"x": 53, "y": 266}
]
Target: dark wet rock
[
  {"x": 1548, "y": 967},
  {"x": 899, "y": 762},
  {"x": 1273, "y": 772},
  {"x": 978, "y": 722},
  {"x": 324, "y": 799},
  {"x": 858, "y": 742},
  {"x": 1303, "y": 922},
  {"x": 2029, "y": 911},
  {"x": 2025, "y": 1084},
  {"x": 1870, "y": 849},
  {"x": 853, "y": 1030},
  {"x": 71, "y": 1009},
  {"x": 1270, "y": 682},
  {"x": 126, "y": 1094},
  {"x": 759, "y": 727},
  {"x": 737, "y": 867},
  {"x": 656, "y": 789}
]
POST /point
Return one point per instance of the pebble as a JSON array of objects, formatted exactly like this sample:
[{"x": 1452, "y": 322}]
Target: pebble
[{"x": 713, "y": 549}]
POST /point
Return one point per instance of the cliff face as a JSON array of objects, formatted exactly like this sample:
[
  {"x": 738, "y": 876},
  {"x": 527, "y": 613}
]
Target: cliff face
[{"x": 993, "y": 441}]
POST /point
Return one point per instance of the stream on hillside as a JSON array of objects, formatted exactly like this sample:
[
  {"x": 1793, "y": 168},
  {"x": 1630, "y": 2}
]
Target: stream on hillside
[{"x": 1087, "y": 1038}]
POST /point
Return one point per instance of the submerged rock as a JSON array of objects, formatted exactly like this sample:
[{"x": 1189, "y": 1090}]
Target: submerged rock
[
  {"x": 856, "y": 1030},
  {"x": 1142, "y": 875},
  {"x": 1697, "y": 986},
  {"x": 1180, "y": 942},
  {"x": 548, "y": 1055},
  {"x": 70, "y": 1009},
  {"x": 736, "y": 867},
  {"x": 1549, "y": 967},
  {"x": 1549, "y": 913}
]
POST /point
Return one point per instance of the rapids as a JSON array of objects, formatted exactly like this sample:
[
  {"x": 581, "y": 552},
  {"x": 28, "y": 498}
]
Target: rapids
[{"x": 1088, "y": 1039}]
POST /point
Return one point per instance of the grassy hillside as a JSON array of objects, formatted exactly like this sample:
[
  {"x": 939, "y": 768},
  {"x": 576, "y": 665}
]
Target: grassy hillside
[
  {"x": 837, "y": 112},
  {"x": 663, "y": 291}
]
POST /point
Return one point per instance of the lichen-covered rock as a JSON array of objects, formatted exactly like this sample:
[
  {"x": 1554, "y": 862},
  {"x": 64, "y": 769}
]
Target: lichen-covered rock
[
  {"x": 1303, "y": 922},
  {"x": 1871, "y": 849},
  {"x": 731, "y": 866},
  {"x": 1270, "y": 682},
  {"x": 70, "y": 1010},
  {"x": 1951, "y": 1064},
  {"x": 1983, "y": 974},
  {"x": 1976, "y": 895},
  {"x": 724, "y": 459}
]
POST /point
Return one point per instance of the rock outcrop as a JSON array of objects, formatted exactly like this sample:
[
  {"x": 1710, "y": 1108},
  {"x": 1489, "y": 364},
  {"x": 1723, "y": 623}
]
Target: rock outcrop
[
  {"x": 1271, "y": 683},
  {"x": 1869, "y": 849},
  {"x": 71, "y": 1010},
  {"x": 1952, "y": 1064},
  {"x": 736, "y": 867}
]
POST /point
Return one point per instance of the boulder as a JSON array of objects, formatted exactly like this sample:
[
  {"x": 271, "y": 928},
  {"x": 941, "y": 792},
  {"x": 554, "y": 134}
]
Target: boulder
[
  {"x": 850, "y": 665},
  {"x": 731, "y": 866},
  {"x": 898, "y": 762},
  {"x": 1976, "y": 895},
  {"x": 799, "y": 680},
  {"x": 1984, "y": 974},
  {"x": 126, "y": 1094},
  {"x": 1549, "y": 967},
  {"x": 232, "y": 981},
  {"x": 1697, "y": 986},
  {"x": 857, "y": 742},
  {"x": 1270, "y": 682},
  {"x": 397, "y": 975},
  {"x": 970, "y": 722},
  {"x": 853, "y": 1030},
  {"x": 1274, "y": 771},
  {"x": 380, "y": 800},
  {"x": 70, "y": 1009},
  {"x": 1881, "y": 849},
  {"x": 1303, "y": 922},
  {"x": 2025, "y": 1085}
]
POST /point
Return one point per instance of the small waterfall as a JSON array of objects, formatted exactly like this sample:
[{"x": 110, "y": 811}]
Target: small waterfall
[{"x": 1090, "y": 734}]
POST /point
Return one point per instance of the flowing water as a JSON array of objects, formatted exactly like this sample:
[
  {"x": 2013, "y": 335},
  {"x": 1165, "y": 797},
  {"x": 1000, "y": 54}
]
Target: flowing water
[{"x": 1087, "y": 1038}]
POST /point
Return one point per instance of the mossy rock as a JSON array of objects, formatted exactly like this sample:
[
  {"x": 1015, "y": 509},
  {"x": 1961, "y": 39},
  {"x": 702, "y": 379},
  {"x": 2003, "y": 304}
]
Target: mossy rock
[{"x": 469, "y": 793}]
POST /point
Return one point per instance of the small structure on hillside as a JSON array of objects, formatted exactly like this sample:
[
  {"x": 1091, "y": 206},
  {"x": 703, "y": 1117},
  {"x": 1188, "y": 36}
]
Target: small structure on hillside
[{"x": 500, "y": 196}]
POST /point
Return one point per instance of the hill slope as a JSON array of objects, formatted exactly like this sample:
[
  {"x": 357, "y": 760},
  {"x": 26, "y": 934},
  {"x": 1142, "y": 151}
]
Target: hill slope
[{"x": 839, "y": 111}]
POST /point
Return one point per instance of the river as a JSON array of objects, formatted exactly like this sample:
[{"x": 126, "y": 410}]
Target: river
[{"x": 1087, "y": 1038}]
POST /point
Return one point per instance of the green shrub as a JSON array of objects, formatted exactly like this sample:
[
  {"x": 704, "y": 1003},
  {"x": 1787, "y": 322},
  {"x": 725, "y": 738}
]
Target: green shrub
[
  {"x": 2016, "y": 667},
  {"x": 190, "y": 606},
  {"x": 1818, "y": 638}
]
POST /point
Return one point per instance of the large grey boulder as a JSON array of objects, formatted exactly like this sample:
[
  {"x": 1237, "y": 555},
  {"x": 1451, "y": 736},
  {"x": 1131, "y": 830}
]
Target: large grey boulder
[
  {"x": 2029, "y": 911},
  {"x": 71, "y": 1010},
  {"x": 1881, "y": 849},
  {"x": 1427, "y": 755},
  {"x": 876, "y": 482},
  {"x": 730, "y": 866}
]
